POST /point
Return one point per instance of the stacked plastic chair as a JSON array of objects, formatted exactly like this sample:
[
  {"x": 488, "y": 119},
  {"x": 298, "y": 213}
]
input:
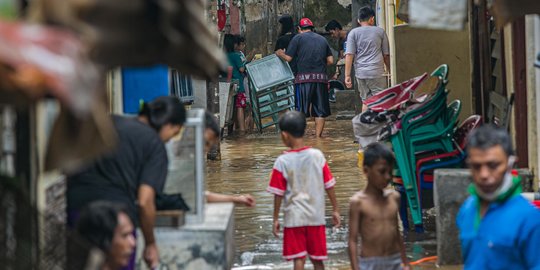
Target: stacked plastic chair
[
  {"x": 448, "y": 159},
  {"x": 427, "y": 128}
]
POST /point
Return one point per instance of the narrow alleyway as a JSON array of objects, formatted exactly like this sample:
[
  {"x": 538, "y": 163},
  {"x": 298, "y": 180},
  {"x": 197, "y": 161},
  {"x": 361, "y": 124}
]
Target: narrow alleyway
[{"x": 245, "y": 168}]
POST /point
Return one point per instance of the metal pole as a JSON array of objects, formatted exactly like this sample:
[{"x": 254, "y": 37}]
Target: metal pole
[{"x": 8, "y": 141}]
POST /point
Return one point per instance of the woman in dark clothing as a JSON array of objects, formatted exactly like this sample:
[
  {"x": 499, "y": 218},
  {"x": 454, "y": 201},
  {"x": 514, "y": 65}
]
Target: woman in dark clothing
[
  {"x": 286, "y": 34},
  {"x": 134, "y": 171}
]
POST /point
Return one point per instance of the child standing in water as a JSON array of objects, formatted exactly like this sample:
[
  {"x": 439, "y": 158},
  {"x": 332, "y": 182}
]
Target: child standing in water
[
  {"x": 373, "y": 216},
  {"x": 299, "y": 178},
  {"x": 237, "y": 61}
]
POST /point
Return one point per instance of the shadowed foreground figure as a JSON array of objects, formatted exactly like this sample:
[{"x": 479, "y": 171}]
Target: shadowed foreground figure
[{"x": 107, "y": 227}]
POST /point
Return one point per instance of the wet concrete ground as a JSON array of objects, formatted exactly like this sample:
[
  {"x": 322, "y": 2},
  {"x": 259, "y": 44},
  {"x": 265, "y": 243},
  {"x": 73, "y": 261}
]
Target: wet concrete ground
[{"x": 245, "y": 168}]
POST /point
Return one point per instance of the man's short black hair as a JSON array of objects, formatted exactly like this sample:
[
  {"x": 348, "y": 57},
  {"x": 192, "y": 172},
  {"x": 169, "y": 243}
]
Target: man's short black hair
[
  {"x": 488, "y": 136},
  {"x": 294, "y": 123},
  {"x": 365, "y": 13},
  {"x": 375, "y": 151},
  {"x": 333, "y": 25}
]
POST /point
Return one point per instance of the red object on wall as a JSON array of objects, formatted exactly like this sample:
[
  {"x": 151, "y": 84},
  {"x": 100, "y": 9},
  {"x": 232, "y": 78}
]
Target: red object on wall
[
  {"x": 222, "y": 19},
  {"x": 537, "y": 203}
]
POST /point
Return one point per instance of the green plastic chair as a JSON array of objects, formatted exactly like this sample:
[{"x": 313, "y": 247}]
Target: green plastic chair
[
  {"x": 410, "y": 145},
  {"x": 413, "y": 123}
]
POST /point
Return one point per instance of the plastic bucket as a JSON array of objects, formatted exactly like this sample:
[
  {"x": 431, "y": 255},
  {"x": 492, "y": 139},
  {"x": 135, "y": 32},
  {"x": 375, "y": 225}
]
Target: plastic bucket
[{"x": 360, "y": 155}]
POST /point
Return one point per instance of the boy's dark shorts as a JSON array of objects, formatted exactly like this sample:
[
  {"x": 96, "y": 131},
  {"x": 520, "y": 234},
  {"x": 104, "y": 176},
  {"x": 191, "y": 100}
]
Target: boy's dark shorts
[{"x": 312, "y": 99}]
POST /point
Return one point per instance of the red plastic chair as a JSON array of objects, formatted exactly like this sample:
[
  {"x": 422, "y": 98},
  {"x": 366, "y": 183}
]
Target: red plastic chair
[
  {"x": 391, "y": 98},
  {"x": 460, "y": 139}
]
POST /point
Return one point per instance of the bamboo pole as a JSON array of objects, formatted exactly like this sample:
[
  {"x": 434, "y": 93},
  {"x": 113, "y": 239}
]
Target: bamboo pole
[{"x": 390, "y": 15}]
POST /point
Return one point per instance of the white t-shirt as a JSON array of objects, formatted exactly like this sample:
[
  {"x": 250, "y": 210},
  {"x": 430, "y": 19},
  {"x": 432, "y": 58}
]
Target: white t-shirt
[
  {"x": 301, "y": 177},
  {"x": 368, "y": 44}
]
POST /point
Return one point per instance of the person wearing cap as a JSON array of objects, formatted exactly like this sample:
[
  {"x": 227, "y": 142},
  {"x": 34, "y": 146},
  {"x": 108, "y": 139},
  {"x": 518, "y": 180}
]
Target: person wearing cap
[
  {"x": 312, "y": 54},
  {"x": 368, "y": 46},
  {"x": 499, "y": 229}
]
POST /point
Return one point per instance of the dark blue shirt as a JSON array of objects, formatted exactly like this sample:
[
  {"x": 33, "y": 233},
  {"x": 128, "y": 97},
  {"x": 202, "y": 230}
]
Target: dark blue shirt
[
  {"x": 508, "y": 236},
  {"x": 310, "y": 51}
]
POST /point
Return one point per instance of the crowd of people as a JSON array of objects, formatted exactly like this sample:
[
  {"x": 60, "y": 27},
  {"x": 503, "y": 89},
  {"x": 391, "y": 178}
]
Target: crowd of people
[
  {"x": 115, "y": 194},
  {"x": 126, "y": 181}
]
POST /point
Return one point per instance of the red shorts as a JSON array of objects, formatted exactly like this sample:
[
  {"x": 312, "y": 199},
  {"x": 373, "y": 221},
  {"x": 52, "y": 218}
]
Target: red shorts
[
  {"x": 241, "y": 100},
  {"x": 301, "y": 241}
]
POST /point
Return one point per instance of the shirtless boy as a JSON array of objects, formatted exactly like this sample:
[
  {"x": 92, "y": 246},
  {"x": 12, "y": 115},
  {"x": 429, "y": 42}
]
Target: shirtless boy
[{"x": 373, "y": 216}]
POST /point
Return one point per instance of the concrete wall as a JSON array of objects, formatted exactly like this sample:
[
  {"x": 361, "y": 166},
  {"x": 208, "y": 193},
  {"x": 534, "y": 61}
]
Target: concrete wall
[
  {"x": 258, "y": 25},
  {"x": 422, "y": 50},
  {"x": 209, "y": 245},
  {"x": 532, "y": 33},
  {"x": 261, "y": 18},
  {"x": 322, "y": 11}
]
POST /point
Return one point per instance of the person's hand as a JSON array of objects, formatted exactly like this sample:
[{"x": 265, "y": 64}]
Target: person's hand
[
  {"x": 246, "y": 200},
  {"x": 275, "y": 228},
  {"x": 336, "y": 219},
  {"x": 151, "y": 256},
  {"x": 348, "y": 81},
  {"x": 280, "y": 52},
  {"x": 250, "y": 55}
]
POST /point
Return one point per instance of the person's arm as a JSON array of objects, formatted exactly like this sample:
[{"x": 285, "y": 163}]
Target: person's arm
[
  {"x": 290, "y": 52},
  {"x": 275, "y": 216},
  {"x": 350, "y": 52},
  {"x": 348, "y": 67},
  {"x": 245, "y": 200},
  {"x": 354, "y": 221},
  {"x": 281, "y": 54},
  {"x": 386, "y": 51},
  {"x": 387, "y": 62},
  {"x": 336, "y": 218},
  {"x": 404, "y": 258},
  {"x": 329, "y": 183},
  {"x": 329, "y": 55},
  {"x": 329, "y": 60},
  {"x": 147, "y": 217}
]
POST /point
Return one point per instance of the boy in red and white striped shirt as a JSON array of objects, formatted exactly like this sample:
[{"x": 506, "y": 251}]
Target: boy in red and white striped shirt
[{"x": 300, "y": 178}]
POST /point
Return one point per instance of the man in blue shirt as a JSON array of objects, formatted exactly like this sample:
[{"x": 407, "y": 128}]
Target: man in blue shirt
[{"x": 499, "y": 229}]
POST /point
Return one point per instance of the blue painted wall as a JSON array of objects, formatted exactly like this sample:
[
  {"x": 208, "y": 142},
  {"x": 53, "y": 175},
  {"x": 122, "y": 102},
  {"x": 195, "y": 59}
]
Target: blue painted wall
[{"x": 144, "y": 83}]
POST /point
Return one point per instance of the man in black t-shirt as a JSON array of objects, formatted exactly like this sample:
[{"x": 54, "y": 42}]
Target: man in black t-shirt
[
  {"x": 312, "y": 54},
  {"x": 137, "y": 166}
]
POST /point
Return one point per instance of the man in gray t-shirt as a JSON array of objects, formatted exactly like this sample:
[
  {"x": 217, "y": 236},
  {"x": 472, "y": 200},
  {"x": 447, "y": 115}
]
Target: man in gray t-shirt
[{"x": 368, "y": 46}]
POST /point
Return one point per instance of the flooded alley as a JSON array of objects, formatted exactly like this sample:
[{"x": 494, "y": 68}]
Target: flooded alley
[{"x": 245, "y": 167}]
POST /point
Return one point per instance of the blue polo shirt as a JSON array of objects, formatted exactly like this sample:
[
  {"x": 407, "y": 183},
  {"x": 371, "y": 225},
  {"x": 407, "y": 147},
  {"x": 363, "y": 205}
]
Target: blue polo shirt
[{"x": 507, "y": 237}]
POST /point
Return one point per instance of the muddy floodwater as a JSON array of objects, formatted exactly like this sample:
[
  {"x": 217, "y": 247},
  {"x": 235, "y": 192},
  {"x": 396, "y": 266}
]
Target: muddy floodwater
[{"x": 245, "y": 167}]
